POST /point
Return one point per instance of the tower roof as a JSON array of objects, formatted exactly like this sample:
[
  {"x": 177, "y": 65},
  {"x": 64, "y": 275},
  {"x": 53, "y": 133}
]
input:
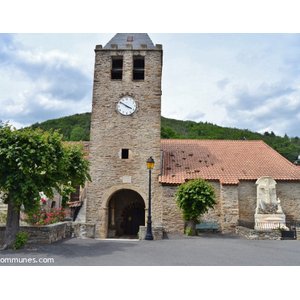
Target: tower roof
[{"x": 136, "y": 41}]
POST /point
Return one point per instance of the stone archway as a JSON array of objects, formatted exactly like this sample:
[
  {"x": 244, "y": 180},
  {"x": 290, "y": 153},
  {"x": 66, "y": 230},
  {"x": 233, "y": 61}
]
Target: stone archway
[{"x": 126, "y": 212}]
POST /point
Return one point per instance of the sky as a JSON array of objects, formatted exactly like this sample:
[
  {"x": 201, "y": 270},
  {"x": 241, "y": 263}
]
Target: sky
[{"x": 248, "y": 81}]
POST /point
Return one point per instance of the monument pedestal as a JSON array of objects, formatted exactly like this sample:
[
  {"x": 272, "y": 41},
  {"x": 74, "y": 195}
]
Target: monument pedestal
[
  {"x": 268, "y": 213},
  {"x": 265, "y": 222}
]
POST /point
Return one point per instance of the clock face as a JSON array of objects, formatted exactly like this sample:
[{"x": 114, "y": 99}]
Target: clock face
[{"x": 126, "y": 106}]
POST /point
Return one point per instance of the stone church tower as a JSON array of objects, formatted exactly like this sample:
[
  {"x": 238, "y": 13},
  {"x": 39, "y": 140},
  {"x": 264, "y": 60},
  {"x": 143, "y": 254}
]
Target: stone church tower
[{"x": 125, "y": 132}]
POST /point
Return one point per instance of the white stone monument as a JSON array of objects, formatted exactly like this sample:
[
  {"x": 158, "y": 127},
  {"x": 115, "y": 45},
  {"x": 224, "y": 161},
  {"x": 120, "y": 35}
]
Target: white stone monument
[{"x": 268, "y": 213}]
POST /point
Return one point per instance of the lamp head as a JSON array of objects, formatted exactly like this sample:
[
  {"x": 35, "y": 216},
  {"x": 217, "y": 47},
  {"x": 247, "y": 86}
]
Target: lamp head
[{"x": 150, "y": 163}]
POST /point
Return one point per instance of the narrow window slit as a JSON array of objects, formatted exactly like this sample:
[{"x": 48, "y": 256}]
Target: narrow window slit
[{"x": 125, "y": 153}]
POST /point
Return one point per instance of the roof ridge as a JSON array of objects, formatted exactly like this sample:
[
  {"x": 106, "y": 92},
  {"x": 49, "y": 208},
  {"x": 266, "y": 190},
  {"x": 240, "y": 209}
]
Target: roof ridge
[{"x": 219, "y": 140}]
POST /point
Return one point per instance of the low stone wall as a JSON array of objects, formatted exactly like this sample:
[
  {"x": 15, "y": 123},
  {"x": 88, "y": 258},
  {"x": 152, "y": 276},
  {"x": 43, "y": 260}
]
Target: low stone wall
[
  {"x": 3, "y": 213},
  {"x": 44, "y": 234},
  {"x": 251, "y": 234},
  {"x": 48, "y": 234},
  {"x": 157, "y": 233},
  {"x": 83, "y": 230}
]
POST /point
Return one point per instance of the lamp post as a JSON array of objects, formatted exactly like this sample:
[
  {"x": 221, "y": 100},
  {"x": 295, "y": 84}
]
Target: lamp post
[{"x": 149, "y": 236}]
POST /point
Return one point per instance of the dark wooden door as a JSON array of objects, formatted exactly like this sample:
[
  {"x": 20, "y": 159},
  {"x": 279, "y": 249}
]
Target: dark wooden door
[{"x": 134, "y": 216}]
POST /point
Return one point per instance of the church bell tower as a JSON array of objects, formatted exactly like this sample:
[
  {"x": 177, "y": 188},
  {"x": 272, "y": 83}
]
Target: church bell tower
[{"x": 125, "y": 132}]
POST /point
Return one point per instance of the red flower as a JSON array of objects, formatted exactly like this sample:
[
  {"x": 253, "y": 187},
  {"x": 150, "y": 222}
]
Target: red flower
[{"x": 43, "y": 201}]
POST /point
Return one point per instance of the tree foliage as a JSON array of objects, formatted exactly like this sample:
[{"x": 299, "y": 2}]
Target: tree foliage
[
  {"x": 77, "y": 134},
  {"x": 33, "y": 161},
  {"x": 194, "y": 198}
]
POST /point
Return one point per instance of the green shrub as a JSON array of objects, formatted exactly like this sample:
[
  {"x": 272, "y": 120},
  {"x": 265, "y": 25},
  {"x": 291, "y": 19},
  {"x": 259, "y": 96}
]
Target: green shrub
[
  {"x": 21, "y": 240},
  {"x": 194, "y": 198},
  {"x": 189, "y": 231}
]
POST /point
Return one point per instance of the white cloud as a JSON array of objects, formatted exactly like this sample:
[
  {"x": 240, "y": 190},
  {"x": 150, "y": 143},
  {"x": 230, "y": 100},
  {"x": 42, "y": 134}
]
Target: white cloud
[
  {"x": 41, "y": 84},
  {"x": 241, "y": 80}
]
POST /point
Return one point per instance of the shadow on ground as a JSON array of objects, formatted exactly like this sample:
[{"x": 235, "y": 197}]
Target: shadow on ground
[
  {"x": 208, "y": 249},
  {"x": 70, "y": 251}
]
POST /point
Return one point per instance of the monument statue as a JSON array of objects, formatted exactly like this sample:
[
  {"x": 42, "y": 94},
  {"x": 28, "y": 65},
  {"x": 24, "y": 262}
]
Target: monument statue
[
  {"x": 268, "y": 212},
  {"x": 266, "y": 196}
]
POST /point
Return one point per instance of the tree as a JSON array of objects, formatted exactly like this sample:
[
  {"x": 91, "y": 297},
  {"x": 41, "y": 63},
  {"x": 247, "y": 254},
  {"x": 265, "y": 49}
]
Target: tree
[
  {"x": 194, "y": 198},
  {"x": 33, "y": 161},
  {"x": 77, "y": 134}
]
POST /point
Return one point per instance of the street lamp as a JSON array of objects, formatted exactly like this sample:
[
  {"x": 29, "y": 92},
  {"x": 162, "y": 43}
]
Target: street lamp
[{"x": 150, "y": 166}]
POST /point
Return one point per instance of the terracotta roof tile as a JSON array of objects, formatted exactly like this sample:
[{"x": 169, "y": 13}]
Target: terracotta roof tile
[{"x": 223, "y": 160}]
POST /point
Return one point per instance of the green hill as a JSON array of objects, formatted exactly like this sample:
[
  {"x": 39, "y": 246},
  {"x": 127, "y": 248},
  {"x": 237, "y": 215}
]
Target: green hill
[
  {"x": 77, "y": 127},
  {"x": 73, "y": 128}
]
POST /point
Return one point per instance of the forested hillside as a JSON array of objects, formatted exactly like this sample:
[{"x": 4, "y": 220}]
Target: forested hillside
[
  {"x": 73, "y": 128},
  {"x": 77, "y": 127}
]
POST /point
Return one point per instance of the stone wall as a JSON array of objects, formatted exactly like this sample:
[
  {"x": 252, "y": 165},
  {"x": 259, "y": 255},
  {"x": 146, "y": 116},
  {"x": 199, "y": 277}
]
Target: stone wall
[
  {"x": 45, "y": 234},
  {"x": 172, "y": 216},
  {"x": 48, "y": 234},
  {"x": 289, "y": 195},
  {"x": 3, "y": 213},
  {"x": 229, "y": 204},
  {"x": 251, "y": 234},
  {"x": 83, "y": 230},
  {"x": 3, "y": 210},
  {"x": 247, "y": 201},
  {"x": 287, "y": 192}
]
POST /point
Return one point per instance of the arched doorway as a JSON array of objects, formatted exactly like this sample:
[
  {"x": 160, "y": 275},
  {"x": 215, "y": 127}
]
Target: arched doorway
[{"x": 126, "y": 212}]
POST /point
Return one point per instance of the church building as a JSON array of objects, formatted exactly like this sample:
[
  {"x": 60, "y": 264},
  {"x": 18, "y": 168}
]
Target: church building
[{"x": 125, "y": 132}]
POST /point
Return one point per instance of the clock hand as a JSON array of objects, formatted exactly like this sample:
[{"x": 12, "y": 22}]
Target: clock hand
[{"x": 126, "y": 105}]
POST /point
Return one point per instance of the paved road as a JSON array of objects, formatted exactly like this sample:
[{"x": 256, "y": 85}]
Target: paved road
[{"x": 209, "y": 250}]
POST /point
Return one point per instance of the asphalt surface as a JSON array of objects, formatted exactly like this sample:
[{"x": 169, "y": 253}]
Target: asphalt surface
[{"x": 205, "y": 250}]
